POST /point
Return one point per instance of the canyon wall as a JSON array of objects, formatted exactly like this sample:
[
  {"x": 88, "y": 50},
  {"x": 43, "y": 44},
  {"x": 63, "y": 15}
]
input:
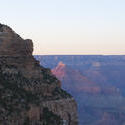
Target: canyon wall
[{"x": 30, "y": 94}]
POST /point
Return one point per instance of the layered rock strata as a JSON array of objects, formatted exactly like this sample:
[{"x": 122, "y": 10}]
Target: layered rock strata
[{"x": 29, "y": 93}]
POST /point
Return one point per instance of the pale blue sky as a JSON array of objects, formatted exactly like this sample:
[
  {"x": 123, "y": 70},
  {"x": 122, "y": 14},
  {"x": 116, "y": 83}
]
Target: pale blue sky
[{"x": 68, "y": 26}]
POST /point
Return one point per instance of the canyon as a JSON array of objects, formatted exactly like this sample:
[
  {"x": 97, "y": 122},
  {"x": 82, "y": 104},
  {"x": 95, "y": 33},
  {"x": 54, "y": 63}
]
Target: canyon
[{"x": 96, "y": 82}]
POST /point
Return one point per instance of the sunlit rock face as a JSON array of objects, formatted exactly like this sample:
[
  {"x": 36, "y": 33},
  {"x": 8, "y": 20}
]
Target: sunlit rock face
[
  {"x": 11, "y": 44},
  {"x": 30, "y": 94}
]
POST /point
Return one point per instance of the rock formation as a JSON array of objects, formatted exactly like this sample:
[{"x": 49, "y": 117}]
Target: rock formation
[
  {"x": 76, "y": 82},
  {"x": 29, "y": 93}
]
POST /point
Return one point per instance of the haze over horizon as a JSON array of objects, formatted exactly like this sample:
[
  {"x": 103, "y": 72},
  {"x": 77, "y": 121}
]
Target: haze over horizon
[{"x": 68, "y": 26}]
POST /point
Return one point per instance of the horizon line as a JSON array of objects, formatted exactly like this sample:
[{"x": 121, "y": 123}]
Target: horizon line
[{"x": 78, "y": 54}]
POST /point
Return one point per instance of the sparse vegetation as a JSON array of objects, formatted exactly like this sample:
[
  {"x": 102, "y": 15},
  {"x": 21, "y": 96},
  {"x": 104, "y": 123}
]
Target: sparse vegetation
[
  {"x": 60, "y": 93},
  {"x": 49, "y": 118}
]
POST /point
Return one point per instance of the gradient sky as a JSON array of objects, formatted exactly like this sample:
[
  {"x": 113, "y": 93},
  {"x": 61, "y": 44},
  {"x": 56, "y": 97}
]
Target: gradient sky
[{"x": 68, "y": 26}]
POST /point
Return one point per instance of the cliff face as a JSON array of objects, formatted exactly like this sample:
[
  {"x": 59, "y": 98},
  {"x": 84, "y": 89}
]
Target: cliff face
[
  {"x": 70, "y": 77},
  {"x": 30, "y": 94}
]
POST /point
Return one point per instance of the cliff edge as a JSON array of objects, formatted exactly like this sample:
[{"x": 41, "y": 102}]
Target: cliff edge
[{"x": 29, "y": 93}]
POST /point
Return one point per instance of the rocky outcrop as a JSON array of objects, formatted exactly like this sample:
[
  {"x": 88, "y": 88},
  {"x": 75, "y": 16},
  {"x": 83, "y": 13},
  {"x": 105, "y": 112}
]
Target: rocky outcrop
[
  {"x": 30, "y": 94},
  {"x": 76, "y": 82}
]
